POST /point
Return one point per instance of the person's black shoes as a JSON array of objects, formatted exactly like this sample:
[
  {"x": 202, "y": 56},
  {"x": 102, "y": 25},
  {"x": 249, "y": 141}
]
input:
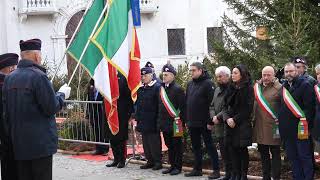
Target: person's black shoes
[
  {"x": 167, "y": 171},
  {"x": 235, "y": 177},
  {"x": 146, "y": 166},
  {"x": 157, "y": 166},
  {"x": 121, "y": 164},
  {"x": 227, "y": 176},
  {"x": 175, "y": 172},
  {"x": 98, "y": 153},
  {"x": 113, "y": 164},
  {"x": 193, "y": 173},
  {"x": 215, "y": 175}
]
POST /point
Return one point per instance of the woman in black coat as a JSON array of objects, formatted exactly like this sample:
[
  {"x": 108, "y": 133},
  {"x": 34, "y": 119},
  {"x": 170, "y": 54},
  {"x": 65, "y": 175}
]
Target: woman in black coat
[{"x": 237, "y": 116}]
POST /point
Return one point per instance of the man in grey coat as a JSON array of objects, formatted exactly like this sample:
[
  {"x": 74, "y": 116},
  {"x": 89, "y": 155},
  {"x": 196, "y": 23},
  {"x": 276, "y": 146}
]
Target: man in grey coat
[{"x": 222, "y": 74}]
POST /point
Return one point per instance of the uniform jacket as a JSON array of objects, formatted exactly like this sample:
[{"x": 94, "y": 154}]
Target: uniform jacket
[
  {"x": 4, "y": 138},
  {"x": 177, "y": 97},
  {"x": 30, "y": 105},
  {"x": 147, "y": 108}
]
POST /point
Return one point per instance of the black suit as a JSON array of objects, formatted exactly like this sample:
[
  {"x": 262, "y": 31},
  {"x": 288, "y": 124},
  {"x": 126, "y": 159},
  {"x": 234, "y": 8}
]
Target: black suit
[
  {"x": 174, "y": 144},
  {"x": 8, "y": 164}
]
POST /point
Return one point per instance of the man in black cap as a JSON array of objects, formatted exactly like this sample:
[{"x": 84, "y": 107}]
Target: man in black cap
[
  {"x": 8, "y": 63},
  {"x": 150, "y": 65},
  {"x": 172, "y": 97},
  {"x": 30, "y": 105},
  {"x": 146, "y": 116},
  {"x": 301, "y": 65}
]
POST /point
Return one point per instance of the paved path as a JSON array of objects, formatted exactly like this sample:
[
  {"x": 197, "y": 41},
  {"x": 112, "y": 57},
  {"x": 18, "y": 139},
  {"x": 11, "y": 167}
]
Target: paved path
[{"x": 67, "y": 168}]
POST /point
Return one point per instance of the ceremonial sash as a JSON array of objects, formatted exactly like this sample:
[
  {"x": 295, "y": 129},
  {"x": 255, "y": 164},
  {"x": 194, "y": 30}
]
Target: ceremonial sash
[
  {"x": 303, "y": 132},
  {"x": 317, "y": 90},
  {"x": 173, "y": 112},
  {"x": 265, "y": 106}
]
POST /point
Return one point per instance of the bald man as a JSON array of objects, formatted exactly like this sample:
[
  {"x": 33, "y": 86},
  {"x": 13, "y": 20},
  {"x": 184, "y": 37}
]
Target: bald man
[{"x": 266, "y": 132}]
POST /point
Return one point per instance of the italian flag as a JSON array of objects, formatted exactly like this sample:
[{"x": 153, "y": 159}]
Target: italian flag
[
  {"x": 108, "y": 52},
  {"x": 118, "y": 42}
]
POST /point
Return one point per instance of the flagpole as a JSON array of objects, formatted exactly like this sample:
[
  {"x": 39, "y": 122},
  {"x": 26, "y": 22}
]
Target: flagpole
[
  {"x": 72, "y": 38},
  {"x": 86, "y": 46}
]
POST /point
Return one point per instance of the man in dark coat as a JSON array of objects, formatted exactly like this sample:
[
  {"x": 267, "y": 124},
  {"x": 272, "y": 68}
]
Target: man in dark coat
[
  {"x": 30, "y": 105},
  {"x": 223, "y": 75},
  {"x": 125, "y": 109},
  {"x": 146, "y": 115},
  {"x": 8, "y": 63},
  {"x": 154, "y": 76},
  {"x": 198, "y": 98},
  {"x": 177, "y": 97},
  {"x": 97, "y": 118},
  {"x": 299, "y": 151},
  {"x": 302, "y": 66}
]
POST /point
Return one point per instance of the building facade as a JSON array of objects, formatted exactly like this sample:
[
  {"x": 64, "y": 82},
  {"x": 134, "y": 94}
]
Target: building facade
[{"x": 175, "y": 30}]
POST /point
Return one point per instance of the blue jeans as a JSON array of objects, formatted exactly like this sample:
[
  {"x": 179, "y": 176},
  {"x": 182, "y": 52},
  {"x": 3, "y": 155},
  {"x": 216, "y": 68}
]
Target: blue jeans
[
  {"x": 299, "y": 153},
  {"x": 195, "y": 134}
]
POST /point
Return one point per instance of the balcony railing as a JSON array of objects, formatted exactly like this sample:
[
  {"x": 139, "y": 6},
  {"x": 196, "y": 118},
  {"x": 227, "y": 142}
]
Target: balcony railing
[
  {"x": 148, "y": 6},
  {"x": 37, "y": 7}
]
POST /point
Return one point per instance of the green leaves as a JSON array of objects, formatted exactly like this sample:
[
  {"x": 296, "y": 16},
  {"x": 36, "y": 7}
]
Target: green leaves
[{"x": 293, "y": 29}]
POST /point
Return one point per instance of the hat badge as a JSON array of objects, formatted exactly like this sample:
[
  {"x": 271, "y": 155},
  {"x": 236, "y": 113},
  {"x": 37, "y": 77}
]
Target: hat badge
[
  {"x": 143, "y": 72},
  {"x": 166, "y": 69}
]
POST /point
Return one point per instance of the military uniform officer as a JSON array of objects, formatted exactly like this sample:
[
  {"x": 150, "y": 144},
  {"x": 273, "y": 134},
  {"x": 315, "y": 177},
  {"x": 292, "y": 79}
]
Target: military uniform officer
[
  {"x": 8, "y": 63},
  {"x": 30, "y": 105},
  {"x": 170, "y": 119},
  {"x": 146, "y": 115}
]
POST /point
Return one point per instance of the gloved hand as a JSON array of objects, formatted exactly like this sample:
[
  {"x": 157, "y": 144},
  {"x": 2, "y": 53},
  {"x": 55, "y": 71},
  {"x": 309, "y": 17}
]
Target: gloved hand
[{"x": 65, "y": 89}]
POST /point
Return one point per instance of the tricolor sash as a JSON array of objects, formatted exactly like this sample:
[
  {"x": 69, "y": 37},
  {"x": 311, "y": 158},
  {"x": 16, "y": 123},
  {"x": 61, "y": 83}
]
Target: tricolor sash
[
  {"x": 173, "y": 112},
  {"x": 317, "y": 90},
  {"x": 293, "y": 106},
  {"x": 266, "y": 107}
]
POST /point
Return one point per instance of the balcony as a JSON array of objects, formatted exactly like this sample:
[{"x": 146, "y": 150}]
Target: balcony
[
  {"x": 148, "y": 6},
  {"x": 37, "y": 7}
]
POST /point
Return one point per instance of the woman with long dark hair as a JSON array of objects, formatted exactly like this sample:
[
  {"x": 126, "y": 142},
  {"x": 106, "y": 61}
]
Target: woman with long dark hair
[{"x": 237, "y": 116}]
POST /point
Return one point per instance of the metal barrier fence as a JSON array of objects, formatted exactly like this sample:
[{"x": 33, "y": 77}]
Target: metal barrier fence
[{"x": 84, "y": 122}]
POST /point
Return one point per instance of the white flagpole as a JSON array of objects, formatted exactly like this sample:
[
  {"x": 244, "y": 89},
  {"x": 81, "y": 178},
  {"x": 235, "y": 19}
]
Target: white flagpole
[
  {"x": 86, "y": 46},
  {"x": 72, "y": 38}
]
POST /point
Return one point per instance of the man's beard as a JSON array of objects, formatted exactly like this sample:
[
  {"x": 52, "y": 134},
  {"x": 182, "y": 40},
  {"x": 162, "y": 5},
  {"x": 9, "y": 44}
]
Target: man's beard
[{"x": 290, "y": 78}]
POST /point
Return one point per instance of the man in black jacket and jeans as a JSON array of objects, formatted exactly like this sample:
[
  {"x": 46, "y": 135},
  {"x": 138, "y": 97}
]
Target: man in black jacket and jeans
[
  {"x": 177, "y": 97},
  {"x": 199, "y": 94}
]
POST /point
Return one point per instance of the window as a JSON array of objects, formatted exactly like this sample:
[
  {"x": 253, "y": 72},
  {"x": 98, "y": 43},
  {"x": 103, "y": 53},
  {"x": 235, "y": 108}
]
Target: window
[
  {"x": 176, "y": 42},
  {"x": 214, "y": 34}
]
